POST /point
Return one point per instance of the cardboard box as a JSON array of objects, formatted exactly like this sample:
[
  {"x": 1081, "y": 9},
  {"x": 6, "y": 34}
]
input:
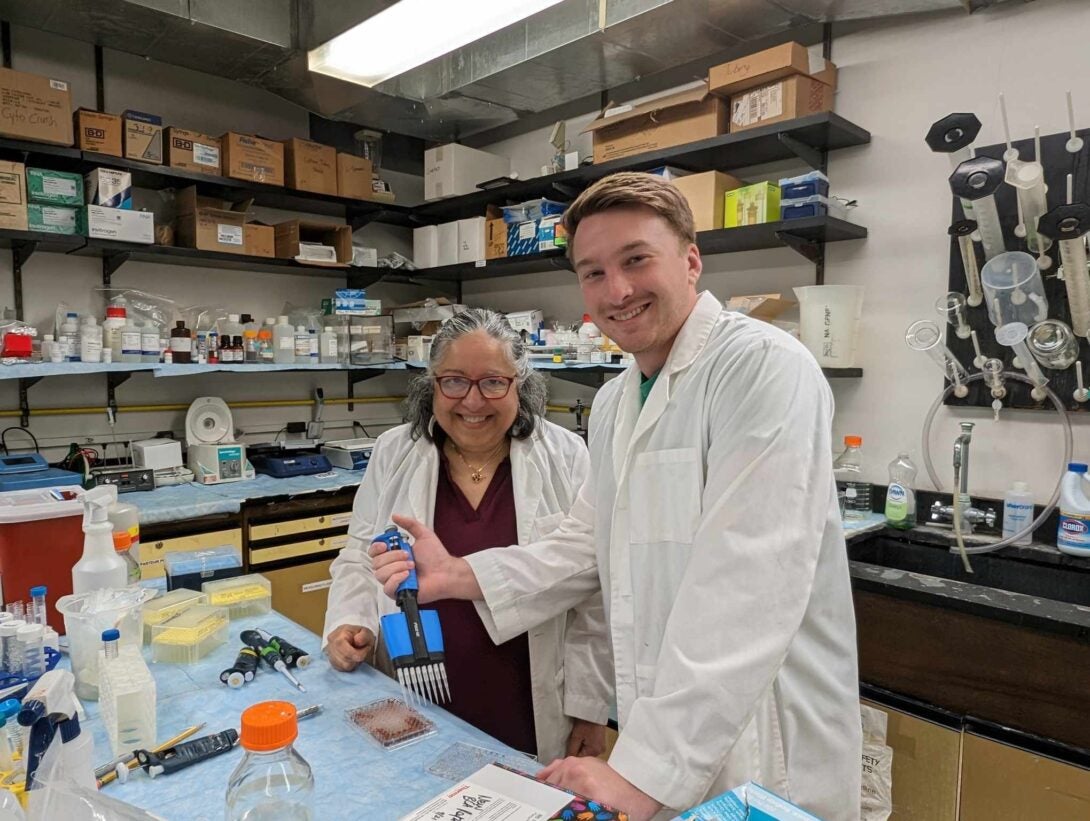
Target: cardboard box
[
  {"x": 354, "y": 177},
  {"x": 451, "y": 170},
  {"x": 254, "y": 159},
  {"x": 528, "y": 321},
  {"x": 419, "y": 314},
  {"x": 310, "y": 166},
  {"x": 551, "y": 233},
  {"x": 471, "y": 239},
  {"x": 143, "y": 137},
  {"x": 47, "y": 187},
  {"x": 751, "y": 205},
  {"x": 777, "y": 102},
  {"x": 426, "y": 246},
  {"x": 675, "y": 119},
  {"x": 99, "y": 222},
  {"x": 418, "y": 348},
  {"x": 765, "y": 307},
  {"x": 52, "y": 219},
  {"x": 448, "y": 244},
  {"x": 35, "y": 108},
  {"x": 108, "y": 187},
  {"x": 766, "y": 66},
  {"x": 290, "y": 233},
  {"x": 495, "y": 234},
  {"x": 13, "y": 214},
  {"x": 536, "y": 236},
  {"x": 193, "y": 151},
  {"x": 210, "y": 224},
  {"x": 259, "y": 240},
  {"x": 97, "y": 131},
  {"x": 704, "y": 192}
]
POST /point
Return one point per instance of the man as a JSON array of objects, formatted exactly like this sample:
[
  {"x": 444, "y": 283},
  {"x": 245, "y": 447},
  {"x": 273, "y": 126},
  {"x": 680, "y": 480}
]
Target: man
[{"x": 711, "y": 523}]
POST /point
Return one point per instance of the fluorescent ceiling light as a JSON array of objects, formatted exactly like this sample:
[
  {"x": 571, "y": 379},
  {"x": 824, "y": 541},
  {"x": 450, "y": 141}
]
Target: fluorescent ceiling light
[{"x": 413, "y": 32}]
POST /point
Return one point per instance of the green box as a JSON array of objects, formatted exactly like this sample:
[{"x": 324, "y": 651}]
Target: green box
[
  {"x": 52, "y": 219},
  {"x": 751, "y": 205},
  {"x": 54, "y": 187}
]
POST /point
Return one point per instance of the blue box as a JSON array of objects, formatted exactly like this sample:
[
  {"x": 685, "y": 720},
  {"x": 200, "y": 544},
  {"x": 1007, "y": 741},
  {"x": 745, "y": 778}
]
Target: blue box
[
  {"x": 532, "y": 211},
  {"x": 522, "y": 239},
  {"x": 141, "y": 117},
  {"x": 812, "y": 184},
  {"x": 813, "y": 206}
]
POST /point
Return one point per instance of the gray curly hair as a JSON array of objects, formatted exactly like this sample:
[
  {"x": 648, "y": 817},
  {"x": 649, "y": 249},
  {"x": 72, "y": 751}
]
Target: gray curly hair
[{"x": 531, "y": 386}]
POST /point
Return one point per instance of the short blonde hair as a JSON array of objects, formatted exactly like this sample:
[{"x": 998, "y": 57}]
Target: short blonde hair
[{"x": 632, "y": 189}]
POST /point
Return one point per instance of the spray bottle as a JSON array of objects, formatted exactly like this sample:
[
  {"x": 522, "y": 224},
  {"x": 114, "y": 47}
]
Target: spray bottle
[
  {"x": 51, "y": 703},
  {"x": 100, "y": 567}
]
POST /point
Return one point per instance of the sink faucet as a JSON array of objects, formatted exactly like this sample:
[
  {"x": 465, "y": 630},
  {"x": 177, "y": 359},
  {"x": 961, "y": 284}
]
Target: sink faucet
[{"x": 944, "y": 514}]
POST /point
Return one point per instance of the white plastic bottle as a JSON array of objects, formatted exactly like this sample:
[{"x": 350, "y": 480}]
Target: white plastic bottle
[
  {"x": 284, "y": 342},
  {"x": 99, "y": 568},
  {"x": 1073, "y": 534},
  {"x": 314, "y": 345},
  {"x": 116, "y": 319},
  {"x": 130, "y": 336},
  {"x": 70, "y": 336},
  {"x": 328, "y": 346},
  {"x": 48, "y": 345},
  {"x": 588, "y": 331},
  {"x": 302, "y": 346},
  {"x": 90, "y": 341},
  {"x": 1018, "y": 512},
  {"x": 848, "y": 468},
  {"x": 149, "y": 342}
]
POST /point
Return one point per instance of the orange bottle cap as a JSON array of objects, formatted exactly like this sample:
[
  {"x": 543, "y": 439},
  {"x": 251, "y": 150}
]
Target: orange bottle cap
[
  {"x": 853, "y": 441},
  {"x": 268, "y": 725},
  {"x": 122, "y": 540}
]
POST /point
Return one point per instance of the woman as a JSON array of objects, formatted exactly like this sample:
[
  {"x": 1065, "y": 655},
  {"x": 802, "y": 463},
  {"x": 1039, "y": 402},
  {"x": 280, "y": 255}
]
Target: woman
[{"x": 480, "y": 465}]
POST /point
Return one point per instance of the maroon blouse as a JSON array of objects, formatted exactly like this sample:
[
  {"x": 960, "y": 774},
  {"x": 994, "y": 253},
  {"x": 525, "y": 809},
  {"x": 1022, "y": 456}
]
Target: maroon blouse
[{"x": 489, "y": 683}]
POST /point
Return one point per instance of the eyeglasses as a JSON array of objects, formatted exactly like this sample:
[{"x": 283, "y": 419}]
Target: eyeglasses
[{"x": 458, "y": 387}]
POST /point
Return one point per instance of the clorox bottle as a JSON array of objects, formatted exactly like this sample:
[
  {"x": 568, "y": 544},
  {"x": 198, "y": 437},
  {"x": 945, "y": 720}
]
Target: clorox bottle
[{"x": 1073, "y": 535}]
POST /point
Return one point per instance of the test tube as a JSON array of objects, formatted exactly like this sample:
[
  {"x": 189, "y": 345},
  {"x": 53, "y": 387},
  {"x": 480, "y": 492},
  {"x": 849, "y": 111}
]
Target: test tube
[
  {"x": 1013, "y": 335},
  {"x": 924, "y": 335},
  {"x": 30, "y": 647},
  {"x": 1067, "y": 224},
  {"x": 977, "y": 180},
  {"x": 993, "y": 377},
  {"x": 953, "y": 135},
  {"x": 963, "y": 231},
  {"x": 1053, "y": 344},
  {"x": 17, "y": 610},
  {"x": 37, "y": 604},
  {"x": 952, "y": 308},
  {"x": 1028, "y": 180}
]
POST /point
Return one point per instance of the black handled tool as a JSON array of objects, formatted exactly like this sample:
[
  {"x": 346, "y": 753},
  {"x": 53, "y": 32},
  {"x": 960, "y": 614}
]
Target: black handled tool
[{"x": 186, "y": 754}]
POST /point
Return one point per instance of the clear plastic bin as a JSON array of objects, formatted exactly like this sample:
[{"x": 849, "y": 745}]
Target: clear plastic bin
[
  {"x": 244, "y": 596},
  {"x": 169, "y": 605},
  {"x": 190, "y": 636}
]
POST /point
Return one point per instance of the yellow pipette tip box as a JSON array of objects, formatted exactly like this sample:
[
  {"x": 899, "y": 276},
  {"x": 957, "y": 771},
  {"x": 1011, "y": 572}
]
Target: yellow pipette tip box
[
  {"x": 169, "y": 605},
  {"x": 244, "y": 596},
  {"x": 190, "y": 636}
]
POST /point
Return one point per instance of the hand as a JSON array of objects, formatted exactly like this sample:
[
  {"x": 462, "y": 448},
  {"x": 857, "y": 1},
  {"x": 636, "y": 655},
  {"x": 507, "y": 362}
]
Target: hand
[
  {"x": 594, "y": 778},
  {"x": 586, "y": 739},
  {"x": 349, "y": 646},
  {"x": 438, "y": 574}
]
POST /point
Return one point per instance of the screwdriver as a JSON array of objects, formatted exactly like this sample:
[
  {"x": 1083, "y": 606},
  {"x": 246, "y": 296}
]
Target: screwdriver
[{"x": 269, "y": 654}]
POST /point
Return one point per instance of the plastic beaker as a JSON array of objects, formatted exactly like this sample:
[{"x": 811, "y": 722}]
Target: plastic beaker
[
  {"x": 86, "y": 616},
  {"x": 829, "y": 322},
  {"x": 1013, "y": 290}
]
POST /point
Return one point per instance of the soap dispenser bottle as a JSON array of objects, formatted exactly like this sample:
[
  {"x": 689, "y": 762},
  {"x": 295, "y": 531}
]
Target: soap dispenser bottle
[{"x": 99, "y": 568}]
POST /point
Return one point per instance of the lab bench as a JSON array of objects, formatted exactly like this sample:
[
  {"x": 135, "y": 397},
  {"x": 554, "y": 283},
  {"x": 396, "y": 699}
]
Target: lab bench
[
  {"x": 289, "y": 530},
  {"x": 377, "y": 783}
]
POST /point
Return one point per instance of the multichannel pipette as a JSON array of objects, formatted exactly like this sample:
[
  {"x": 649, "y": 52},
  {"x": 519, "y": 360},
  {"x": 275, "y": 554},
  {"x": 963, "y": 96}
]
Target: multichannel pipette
[
  {"x": 413, "y": 637},
  {"x": 1067, "y": 224},
  {"x": 977, "y": 180},
  {"x": 272, "y": 658}
]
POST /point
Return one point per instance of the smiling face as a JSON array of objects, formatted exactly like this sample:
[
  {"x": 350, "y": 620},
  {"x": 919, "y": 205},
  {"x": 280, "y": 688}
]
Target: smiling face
[
  {"x": 476, "y": 425},
  {"x": 638, "y": 280}
]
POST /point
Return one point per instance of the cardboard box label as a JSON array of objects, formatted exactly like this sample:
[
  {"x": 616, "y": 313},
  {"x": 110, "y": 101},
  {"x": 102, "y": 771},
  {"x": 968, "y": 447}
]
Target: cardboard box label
[
  {"x": 206, "y": 155},
  {"x": 528, "y": 230},
  {"x": 35, "y": 108},
  {"x": 11, "y": 188},
  {"x": 58, "y": 85},
  {"x": 143, "y": 141},
  {"x": 58, "y": 187},
  {"x": 757, "y": 105},
  {"x": 312, "y": 586},
  {"x": 229, "y": 234}
]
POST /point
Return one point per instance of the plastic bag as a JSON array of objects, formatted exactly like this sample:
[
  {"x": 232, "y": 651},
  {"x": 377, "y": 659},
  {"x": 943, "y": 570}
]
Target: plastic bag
[
  {"x": 66, "y": 799},
  {"x": 140, "y": 306},
  {"x": 10, "y": 809},
  {"x": 876, "y": 802}
]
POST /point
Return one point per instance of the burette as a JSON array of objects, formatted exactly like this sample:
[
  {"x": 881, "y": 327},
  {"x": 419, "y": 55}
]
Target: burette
[{"x": 977, "y": 180}]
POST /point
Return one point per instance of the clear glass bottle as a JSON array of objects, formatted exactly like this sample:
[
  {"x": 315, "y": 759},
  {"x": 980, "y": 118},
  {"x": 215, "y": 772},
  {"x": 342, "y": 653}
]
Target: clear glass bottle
[
  {"x": 265, "y": 350},
  {"x": 250, "y": 349},
  {"x": 272, "y": 782},
  {"x": 181, "y": 344},
  {"x": 901, "y": 496},
  {"x": 149, "y": 342},
  {"x": 848, "y": 469}
]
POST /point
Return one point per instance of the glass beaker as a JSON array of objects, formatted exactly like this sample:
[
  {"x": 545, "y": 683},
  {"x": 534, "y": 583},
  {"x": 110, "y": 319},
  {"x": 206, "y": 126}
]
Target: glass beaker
[
  {"x": 1013, "y": 290},
  {"x": 829, "y": 322},
  {"x": 1053, "y": 344},
  {"x": 924, "y": 335}
]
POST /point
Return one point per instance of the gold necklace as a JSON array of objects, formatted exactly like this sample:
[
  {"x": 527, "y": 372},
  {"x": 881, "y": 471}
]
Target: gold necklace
[{"x": 476, "y": 474}]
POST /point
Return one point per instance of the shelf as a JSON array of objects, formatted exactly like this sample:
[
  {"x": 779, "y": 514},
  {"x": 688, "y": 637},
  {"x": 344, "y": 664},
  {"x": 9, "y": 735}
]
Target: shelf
[
  {"x": 842, "y": 373},
  {"x": 51, "y": 243},
  {"x": 804, "y": 136},
  {"x": 804, "y": 235}
]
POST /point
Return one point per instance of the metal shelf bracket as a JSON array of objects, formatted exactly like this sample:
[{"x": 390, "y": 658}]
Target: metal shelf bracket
[
  {"x": 110, "y": 264},
  {"x": 808, "y": 154},
  {"x": 25, "y": 384}
]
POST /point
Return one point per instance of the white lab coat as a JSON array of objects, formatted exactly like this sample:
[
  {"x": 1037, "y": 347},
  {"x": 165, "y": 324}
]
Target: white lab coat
[
  {"x": 570, "y": 662},
  {"x": 712, "y": 526}
]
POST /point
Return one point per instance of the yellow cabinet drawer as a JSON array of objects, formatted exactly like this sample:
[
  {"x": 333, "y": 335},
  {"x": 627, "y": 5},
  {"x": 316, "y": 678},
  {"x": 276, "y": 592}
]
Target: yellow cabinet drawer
[
  {"x": 152, "y": 553},
  {"x": 264, "y": 555},
  {"x": 292, "y": 527}
]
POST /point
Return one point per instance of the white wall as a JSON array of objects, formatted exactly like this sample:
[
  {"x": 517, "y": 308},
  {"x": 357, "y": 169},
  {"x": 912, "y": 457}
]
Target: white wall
[
  {"x": 211, "y": 104},
  {"x": 896, "y": 78}
]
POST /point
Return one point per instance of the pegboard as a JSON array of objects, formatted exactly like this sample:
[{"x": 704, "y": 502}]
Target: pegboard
[{"x": 1058, "y": 163}]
